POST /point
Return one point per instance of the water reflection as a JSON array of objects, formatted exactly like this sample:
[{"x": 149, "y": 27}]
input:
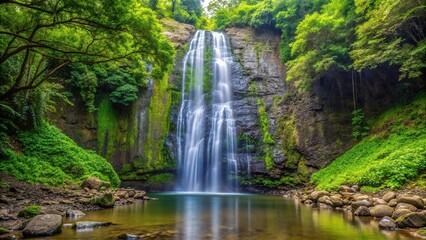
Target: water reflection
[
  {"x": 228, "y": 217},
  {"x": 204, "y": 216}
]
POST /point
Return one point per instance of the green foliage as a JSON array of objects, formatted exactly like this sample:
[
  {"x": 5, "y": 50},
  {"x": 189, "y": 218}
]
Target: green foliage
[
  {"x": 3, "y": 231},
  {"x": 54, "y": 159},
  {"x": 391, "y": 33},
  {"x": 161, "y": 178},
  {"x": 30, "y": 211},
  {"x": 124, "y": 95},
  {"x": 359, "y": 126},
  {"x": 392, "y": 157},
  {"x": 325, "y": 35}
]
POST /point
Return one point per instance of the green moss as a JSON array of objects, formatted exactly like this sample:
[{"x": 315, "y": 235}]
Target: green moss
[
  {"x": 264, "y": 122},
  {"x": 395, "y": 154},
  {"x": 161, "y": 178},
  {"x": 107, "y": 128},
  {"x": 30, "y": 211},
  {"x": 4, "y": 184},
  {"x": 156, "y": 155},
  {"x": 52, "y": 158},
  {"x": 421, "y": 232},
  {"x": 3, "y": 231}
]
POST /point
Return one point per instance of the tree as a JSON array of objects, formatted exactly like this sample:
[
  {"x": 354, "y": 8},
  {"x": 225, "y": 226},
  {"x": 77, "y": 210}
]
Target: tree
[
  {"x": 322, "y": 42},
  {"x": 393, "y": 32},
  {"x": 39, "y": 38}
]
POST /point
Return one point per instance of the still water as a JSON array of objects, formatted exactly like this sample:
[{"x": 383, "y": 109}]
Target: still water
[{"x": 204, "y": 216}]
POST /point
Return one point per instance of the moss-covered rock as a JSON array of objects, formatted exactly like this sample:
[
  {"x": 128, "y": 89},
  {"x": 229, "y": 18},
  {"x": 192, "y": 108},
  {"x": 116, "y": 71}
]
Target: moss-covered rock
[{"x": 30, "y": 211}]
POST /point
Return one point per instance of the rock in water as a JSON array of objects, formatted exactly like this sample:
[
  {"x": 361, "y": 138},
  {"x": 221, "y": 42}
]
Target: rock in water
[
  {"x": 362, "y": 211},
  {"x": 387, "y": 223},
  {"x": 43, "y": 225},
  {"x": 74, "y": 213},
  {"x": 414, "y": 219},
  {"x": 126, "y": 236},
  {"x": 89, "y": 225}
]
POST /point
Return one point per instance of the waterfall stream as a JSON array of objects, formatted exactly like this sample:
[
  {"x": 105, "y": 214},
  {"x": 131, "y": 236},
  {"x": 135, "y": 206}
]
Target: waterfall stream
[{"x": 206, "y": 134}]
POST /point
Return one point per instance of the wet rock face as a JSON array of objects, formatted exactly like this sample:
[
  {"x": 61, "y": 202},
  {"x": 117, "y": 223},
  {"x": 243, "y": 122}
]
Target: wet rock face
[{"x": 315, "y": 125}]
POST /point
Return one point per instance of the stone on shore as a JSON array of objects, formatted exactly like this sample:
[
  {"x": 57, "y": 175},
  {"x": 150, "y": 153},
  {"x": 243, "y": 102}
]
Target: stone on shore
[
  {"x": 380, "y": 211},
  {"x": 389, "y": 196},
  {"x": 94, "y": 183},
  {"x": 43, "y": 225},
  {"x": 411, "y": 199},
  {"x": 387, "y": 223},
  {"x": 414, "y": 220}
]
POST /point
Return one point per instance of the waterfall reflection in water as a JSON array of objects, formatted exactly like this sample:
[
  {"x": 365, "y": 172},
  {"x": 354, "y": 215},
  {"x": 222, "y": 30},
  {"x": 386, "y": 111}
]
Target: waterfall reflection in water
[{"x": 249, "y": 217}]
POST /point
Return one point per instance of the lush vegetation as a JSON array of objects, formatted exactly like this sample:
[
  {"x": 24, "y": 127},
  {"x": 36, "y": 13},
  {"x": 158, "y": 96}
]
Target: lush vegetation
[
  {"x": 393, "y": 155},
  {"x": 327, "y": 35},
  {"x": 50, "y": 157}
]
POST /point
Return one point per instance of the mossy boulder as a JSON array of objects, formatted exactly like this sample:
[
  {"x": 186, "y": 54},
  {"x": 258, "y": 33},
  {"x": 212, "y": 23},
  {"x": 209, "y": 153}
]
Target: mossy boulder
[
  {"x": 414, "y": 220},
  {"x": 106, "y": 200}
]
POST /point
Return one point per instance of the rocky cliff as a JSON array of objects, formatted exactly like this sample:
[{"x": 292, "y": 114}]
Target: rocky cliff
[{"x": 289, "y": 134}]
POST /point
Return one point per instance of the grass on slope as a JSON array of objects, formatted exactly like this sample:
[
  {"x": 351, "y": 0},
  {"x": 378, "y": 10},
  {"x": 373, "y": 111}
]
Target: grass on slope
[
  {"x": 394, "y": 154},
  {"x": 52, "y": 158}
]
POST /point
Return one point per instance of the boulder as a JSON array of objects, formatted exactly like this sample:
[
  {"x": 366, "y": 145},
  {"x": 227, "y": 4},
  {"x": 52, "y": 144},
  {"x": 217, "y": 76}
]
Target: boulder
[
  {"x": 336, "y": 200},
  {"x": 379, "y": 201},
  {"x": 105, "y": 200},
  {"x": 139, "y": 195},
  {"x": 122, "y": 194},
  {"x": 411, "y": 199},
  {"x": 315, "y": 195},
  {"x": 94, "y": 183},
  {"x": 346, "y": 189},
  {"x": 74, "y": 213},
  {"x": 360, "y": 197},
  {"x": 51, "y": 210},
  {"x": 131, "y": 192},
  {"x": 362, "y": 211},
  {"x": 388, "y": 196},
  {"x": 89, "y": 225},
  {"x": 387, "y": 223},
  {"x": 355, "y": 188},
  {"x": 392, "y": 203},
  {"x": 380, "y": 211},
  {"x": 398, "y": 213},
  {"x": 405, "y": 206},
  {"x": 355, "y": 205},
  {"x": 43, "y": 225},
  {"x": 325, "y": 200},
  {"x": 413, "y": 219}
]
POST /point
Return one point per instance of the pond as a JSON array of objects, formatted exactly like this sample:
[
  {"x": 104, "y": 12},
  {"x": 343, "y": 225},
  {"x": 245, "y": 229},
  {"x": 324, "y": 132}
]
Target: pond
[{"x": 204, "y": 216}]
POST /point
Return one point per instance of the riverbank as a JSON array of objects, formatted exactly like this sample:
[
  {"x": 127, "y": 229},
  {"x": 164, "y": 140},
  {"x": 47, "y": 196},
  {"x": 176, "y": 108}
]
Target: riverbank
[
  {"x": 18, "y": 197},
  {"x": 396, "y": 210}
]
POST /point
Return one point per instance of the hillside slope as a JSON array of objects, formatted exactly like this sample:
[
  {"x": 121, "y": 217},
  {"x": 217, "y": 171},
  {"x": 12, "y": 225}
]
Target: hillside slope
[{"x": 392, "y": 155}]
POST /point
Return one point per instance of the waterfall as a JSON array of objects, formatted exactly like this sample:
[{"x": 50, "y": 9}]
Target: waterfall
[{"x": 206, "y": 134}]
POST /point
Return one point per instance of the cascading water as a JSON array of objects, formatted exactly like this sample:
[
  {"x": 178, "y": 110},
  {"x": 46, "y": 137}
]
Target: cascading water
[{"x": 206, "y": 133}]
